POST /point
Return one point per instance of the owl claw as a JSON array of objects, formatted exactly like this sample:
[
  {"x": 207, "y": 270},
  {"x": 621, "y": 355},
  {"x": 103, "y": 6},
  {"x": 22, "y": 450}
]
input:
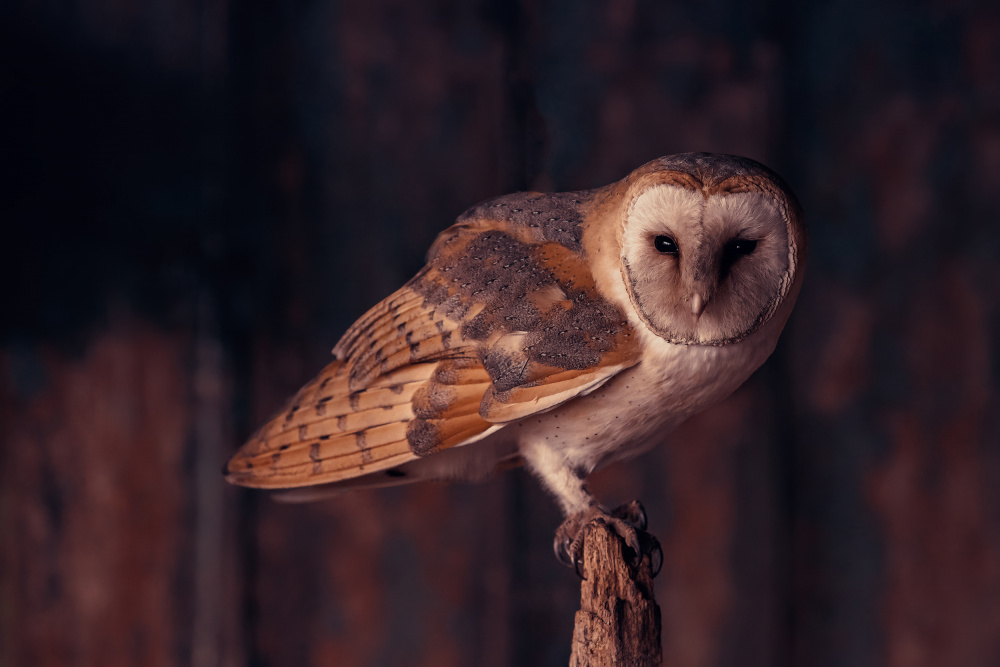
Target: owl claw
[
  {"x": 655, "y": 554},
  {"x": 633, "y": 513},
  {"x": 561, "y": 547},
  {"x": 628, "y": 521}
]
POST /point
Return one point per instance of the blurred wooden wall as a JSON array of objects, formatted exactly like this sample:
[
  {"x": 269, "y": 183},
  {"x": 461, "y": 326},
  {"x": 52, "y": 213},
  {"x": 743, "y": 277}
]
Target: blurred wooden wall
[{"x": 198, "y": 198}]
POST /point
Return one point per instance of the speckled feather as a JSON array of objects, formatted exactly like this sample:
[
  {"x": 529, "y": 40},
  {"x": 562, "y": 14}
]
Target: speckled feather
[{"x": 503, "y": 322}]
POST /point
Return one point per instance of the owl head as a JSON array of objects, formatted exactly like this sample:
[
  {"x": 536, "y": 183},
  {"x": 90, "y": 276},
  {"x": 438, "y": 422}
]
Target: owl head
[{"x": 711, "y": 245}]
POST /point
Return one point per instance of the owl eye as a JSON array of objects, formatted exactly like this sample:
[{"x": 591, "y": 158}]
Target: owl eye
[
  {"x": 665, "y": 244},
  {"x": 732, "y": 251},
  {"x": 739, "y": 247}
]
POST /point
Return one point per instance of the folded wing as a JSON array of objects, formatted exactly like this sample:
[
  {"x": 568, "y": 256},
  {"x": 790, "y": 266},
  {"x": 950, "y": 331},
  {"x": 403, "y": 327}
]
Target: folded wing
[{"x": 503, "y": 322}]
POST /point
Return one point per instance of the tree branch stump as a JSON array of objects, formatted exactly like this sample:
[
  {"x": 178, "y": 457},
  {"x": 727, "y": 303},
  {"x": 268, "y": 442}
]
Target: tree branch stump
[{"x": 619, "y": 621}]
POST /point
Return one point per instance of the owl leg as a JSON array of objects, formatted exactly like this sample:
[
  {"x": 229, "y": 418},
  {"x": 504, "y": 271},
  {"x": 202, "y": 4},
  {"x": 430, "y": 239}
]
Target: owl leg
[{"x": 581, "y": 508}]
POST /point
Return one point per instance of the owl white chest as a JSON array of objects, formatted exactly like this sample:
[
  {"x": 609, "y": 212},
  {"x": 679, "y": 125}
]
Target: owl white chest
[{"x": 635, "y": 409}]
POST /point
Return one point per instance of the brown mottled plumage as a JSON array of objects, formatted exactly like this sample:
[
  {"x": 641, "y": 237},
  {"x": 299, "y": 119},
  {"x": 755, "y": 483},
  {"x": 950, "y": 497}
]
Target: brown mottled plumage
[
  {"x": 566, "y": 330},
  {"x": 503, "y": 322}
]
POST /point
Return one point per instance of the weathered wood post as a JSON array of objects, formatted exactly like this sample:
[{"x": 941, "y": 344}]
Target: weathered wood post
[{"x": 619, "y": 621}]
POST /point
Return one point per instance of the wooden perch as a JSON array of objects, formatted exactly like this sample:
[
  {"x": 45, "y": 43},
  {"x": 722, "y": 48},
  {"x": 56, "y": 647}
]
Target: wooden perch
[{"x": 619, "y": 620}]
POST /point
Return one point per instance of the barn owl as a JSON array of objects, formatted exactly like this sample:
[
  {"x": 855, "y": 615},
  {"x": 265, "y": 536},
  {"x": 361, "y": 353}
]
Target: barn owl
[{"x": 560, "y": 331}]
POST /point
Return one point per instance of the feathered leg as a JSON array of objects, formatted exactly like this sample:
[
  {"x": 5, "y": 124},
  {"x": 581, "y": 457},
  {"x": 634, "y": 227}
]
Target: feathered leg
[{"x": 581, "y": 508}]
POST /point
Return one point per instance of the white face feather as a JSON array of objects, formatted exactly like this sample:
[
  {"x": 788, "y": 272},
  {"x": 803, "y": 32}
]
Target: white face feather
[{"x": 704, "y": 287}]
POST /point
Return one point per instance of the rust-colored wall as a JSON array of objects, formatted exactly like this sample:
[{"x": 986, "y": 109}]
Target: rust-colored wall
[{"x": 200, "y": 198}]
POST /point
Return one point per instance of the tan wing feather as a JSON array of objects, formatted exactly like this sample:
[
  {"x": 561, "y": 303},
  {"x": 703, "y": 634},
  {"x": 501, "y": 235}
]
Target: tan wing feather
[
  {"x": 376, "y": 318},
  {"x": 382, "y": 326},
  {"x": 521, "y": 402},
  {"x": 329, "y": 433},
  {"x": 504, "y": 322}
]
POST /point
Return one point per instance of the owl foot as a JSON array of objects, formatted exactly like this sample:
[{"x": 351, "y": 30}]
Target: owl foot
[{"x": 628, "y": 521}]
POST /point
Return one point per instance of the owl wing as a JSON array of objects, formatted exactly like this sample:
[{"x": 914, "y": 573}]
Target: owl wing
[{"x": 504, "y": 322}]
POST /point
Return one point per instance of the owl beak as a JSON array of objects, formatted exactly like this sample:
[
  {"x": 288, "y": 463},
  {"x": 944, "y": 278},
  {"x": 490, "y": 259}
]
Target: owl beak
[{"x": 698, "y": 303}]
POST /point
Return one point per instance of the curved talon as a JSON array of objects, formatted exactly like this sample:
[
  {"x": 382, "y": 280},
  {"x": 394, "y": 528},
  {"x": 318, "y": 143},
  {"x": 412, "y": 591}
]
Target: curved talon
[
  {"x": 656, "y": 560},
  {"x": 628, "y": 521},
  {"x": 578, "y": 565},
  {"x": 655, "y": 551},
  {"x": 561, "y": 547}
]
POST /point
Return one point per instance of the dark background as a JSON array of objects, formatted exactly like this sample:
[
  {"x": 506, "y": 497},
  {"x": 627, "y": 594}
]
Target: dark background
[{"x": 198, "y": 197}]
